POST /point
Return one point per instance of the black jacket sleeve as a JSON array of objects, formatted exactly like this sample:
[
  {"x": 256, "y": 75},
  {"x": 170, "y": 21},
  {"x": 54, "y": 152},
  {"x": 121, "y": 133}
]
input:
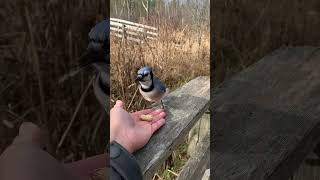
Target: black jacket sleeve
[{"x": 123, "y": 164}]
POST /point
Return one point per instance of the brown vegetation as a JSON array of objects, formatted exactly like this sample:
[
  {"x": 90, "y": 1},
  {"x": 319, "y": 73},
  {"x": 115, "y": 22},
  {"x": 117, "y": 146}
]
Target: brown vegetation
[
  {"x": 247, "y": 30},
  {"x": 40, "y": 41},
  {"x": 176, "y": 57}
]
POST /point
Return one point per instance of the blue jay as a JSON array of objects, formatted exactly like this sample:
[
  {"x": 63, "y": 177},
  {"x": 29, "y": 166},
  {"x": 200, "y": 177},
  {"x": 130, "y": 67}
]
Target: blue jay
[
  {"x": 97, "y": 56},
  {"x": 150, "y": 87},
  {"x": 97, "y": 53}
]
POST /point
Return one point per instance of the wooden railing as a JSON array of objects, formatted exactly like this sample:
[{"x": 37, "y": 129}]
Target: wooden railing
[
  {"x": 132, "y": 31},
  {"x": 266, "y": 118},
  {"x": 184, "y": 107}
]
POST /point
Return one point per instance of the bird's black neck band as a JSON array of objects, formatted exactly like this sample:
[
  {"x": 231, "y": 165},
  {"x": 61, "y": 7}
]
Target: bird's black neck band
[{"x": 149, "y": 88}]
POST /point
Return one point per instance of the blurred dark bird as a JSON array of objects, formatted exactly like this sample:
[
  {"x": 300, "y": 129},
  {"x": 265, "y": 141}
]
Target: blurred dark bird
[
  {"x": 96, "y": 56},
  {"x": 97, "y": 53},
  {"x": 98, "y": 47}
]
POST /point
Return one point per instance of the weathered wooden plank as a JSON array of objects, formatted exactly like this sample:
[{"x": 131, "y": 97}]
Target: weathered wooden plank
[
  {"x": 134, "y": 34},
  {"x": 132, "y": 23},
  {"x": 309, "y": 169},
  {"x": 198, "y": 162},
  {"x": 134, "y": 31},
  {"x": 266, "y": 118},
  {"x": 128, "y": 38},
  {"x": 133, "y": 28},
  {"x": 184, "y": 107}
]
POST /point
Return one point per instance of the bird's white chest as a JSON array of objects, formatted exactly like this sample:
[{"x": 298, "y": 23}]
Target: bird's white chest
[
  {"x": 145, "y": 86},
  {"x": 149, "y": 96}
]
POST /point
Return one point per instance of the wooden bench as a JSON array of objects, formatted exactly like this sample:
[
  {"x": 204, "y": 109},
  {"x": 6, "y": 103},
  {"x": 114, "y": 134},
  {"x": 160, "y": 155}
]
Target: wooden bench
[
  {"x": 184, "y": 107},
  {"x": 132, "y": 31},
  {"x": 266, "y": 119}
]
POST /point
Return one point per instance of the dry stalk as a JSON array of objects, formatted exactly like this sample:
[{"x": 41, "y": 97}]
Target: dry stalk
[
  {"x": 37, "y": 66},
  {"x": 75, "y": 113}
]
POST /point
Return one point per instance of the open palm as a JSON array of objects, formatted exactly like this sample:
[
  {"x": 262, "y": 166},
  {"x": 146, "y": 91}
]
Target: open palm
[{"x": 129, "y": 130}]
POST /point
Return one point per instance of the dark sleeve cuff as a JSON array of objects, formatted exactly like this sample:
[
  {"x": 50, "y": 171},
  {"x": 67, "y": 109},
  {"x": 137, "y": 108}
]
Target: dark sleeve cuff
[{"x": 124, "y": 163}]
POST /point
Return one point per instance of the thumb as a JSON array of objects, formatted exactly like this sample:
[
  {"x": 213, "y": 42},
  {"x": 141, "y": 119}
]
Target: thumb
[
  {"x": 119, "y": 104},
  {"x": 31, "y": 134}
]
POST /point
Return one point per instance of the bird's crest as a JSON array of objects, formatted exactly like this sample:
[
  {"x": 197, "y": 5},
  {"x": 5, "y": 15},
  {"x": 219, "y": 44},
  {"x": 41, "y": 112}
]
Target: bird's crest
[{"x": 145, "y": 70}]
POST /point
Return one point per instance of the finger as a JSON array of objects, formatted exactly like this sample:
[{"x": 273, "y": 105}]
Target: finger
[
  {"x": 30, "y": 133},
  {"x": 157, "y": 124},
  {"x": 156, "y": 112},
  {"x": 119, "y": 104},
  {"x": 156, "y": 117},
  {"x": 145, "y": 111}
]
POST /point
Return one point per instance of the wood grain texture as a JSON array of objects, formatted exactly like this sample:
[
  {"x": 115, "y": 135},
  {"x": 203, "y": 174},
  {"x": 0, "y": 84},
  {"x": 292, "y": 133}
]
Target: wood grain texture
[
  {"x": 183, "y": 107},
  {"x": 309, "y": 170},
  {"x": 199, "y": 162},
  {"x": 266, "y": 119}
]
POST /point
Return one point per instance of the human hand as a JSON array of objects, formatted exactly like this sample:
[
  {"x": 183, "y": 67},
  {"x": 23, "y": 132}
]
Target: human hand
[
  {"x": 129, "y": 131},
  {"x": 26, "y": 159}
]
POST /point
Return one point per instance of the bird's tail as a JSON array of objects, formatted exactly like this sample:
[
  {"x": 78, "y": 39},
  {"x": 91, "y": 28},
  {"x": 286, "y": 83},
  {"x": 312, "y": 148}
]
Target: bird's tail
[{"x": 167, "y": 92}]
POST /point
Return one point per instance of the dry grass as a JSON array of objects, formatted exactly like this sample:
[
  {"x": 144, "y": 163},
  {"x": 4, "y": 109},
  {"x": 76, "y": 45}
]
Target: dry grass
[
  {"x": 246, "y": 30},
  {"x": 174, "y": 164},
  {"x": 39, "y": 43},
  {"x": 178, "y": 56}
]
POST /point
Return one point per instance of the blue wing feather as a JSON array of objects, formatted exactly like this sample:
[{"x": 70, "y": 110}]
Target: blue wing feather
[{"x": 159, "y": 85}]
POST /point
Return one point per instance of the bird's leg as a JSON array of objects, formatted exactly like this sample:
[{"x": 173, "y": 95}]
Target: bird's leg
[{"x": 162, "y": 106}]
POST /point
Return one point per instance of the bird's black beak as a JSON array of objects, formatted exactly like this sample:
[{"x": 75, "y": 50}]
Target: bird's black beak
[{"x": 139, "y": 77}]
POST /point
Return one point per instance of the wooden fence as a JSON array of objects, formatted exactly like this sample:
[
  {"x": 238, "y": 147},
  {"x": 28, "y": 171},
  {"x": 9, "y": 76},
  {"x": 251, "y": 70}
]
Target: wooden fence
[
  {"x": 184, "y": 107},
  {"x": 131, "y": 31}
]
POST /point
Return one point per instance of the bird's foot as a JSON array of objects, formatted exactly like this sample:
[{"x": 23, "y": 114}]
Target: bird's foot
[{"x": 162, "y": 106}]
